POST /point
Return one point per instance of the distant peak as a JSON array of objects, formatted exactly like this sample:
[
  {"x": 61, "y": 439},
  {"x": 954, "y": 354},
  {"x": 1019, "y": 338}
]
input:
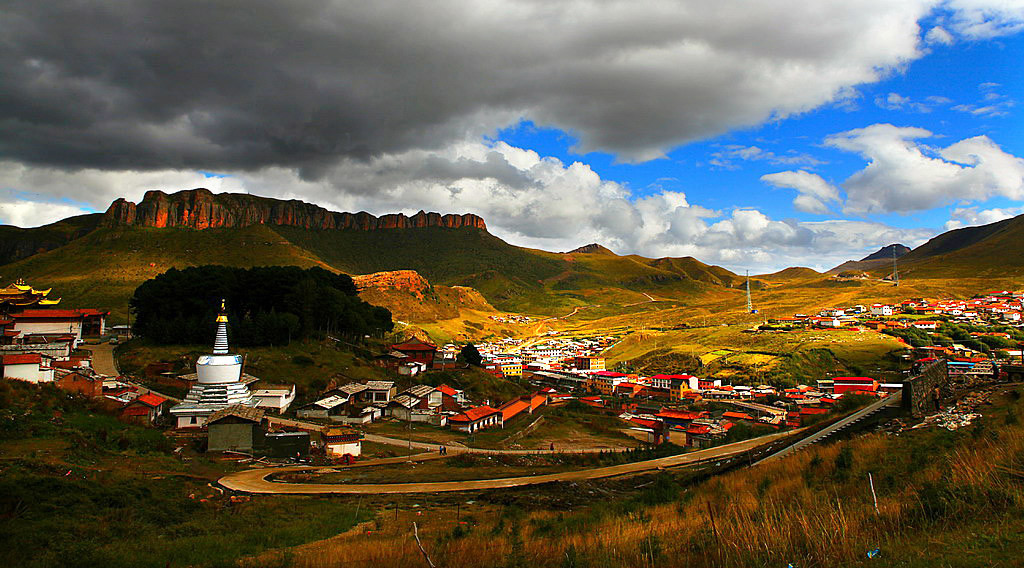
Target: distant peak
[
  {"x": 887, "y": 252},
  {"x": 592, "y": 248}
]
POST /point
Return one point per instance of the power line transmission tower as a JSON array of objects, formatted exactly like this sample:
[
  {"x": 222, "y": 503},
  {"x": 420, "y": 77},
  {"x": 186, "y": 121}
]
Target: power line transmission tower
[
  {"x": 750, "y": 305},
  {"x": 895, "y": 272}
]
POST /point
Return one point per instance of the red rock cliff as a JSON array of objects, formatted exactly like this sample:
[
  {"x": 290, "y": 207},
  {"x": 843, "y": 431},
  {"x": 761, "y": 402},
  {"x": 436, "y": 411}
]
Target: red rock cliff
[{"x": 201, "y": 209}]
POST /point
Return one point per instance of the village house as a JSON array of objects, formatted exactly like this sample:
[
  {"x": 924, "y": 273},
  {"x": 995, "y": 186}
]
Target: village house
[
  {"x": 30, "y": 367},
  {"x": 236, "y": 428},
  {"x": 476, "y": 419},
  {"x": 417, "y": 351},
  {"x": 276, "y": 398},
  {"x": 145, "y": 409},
  {"x": 84, "y": 382},
  {"x": 339, "y": 442}
]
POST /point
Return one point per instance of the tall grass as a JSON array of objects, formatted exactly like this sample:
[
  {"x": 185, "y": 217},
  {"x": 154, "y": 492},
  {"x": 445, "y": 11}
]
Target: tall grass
[{"x": 812, "y": 509}]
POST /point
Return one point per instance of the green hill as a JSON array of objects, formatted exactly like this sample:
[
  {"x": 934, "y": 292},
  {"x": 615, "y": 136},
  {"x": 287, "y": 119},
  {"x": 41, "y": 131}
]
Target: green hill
[
  {"x": 104, "y": 267},
  {"x": 17, "y": 243}
]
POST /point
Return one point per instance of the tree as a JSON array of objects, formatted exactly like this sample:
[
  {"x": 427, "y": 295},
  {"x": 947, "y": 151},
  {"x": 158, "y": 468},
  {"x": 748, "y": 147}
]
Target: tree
[{"x": 471, "y": 355}]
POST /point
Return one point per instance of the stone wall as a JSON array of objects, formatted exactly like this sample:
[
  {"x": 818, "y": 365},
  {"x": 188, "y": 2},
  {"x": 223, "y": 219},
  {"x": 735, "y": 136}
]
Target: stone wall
[{"x": 921, "y": 394}]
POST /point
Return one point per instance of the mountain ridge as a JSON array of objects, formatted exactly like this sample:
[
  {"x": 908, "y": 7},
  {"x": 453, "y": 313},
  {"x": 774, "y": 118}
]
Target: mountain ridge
[{"x": 201, "y": 209}]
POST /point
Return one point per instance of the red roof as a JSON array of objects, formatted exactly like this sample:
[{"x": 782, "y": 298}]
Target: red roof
[
  {"x": 698, "y": 429},
  {"x": 150, "y": 399},
  {"x": 22, "y": 359},
  {"x": 681, "y": 415},
  {"x": 737, "y": 415},
  {"x": 610, "y": 374},
  {"x": 57, "y": 314},
  {"x": 414, "y": 345},
  {"x": 474, "y": 414},
  {"x": 447, "y": 390},
  {"x": 646, "y": 423}
]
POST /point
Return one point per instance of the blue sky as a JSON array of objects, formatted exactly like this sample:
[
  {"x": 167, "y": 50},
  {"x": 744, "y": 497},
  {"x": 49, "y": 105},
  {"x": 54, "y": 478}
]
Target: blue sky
[{"x": 965, "y": 74}]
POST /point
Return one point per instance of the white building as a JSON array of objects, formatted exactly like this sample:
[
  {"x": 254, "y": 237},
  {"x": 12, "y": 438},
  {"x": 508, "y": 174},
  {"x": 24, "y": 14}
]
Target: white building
[
  {"x": 219, "y": 383},
  {"x": 275, "y": 397},
  {"x": 881, "y": 310},
  {"x": 26, "y": 367}
]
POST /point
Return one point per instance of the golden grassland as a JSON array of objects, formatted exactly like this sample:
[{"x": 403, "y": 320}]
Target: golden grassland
[{"x": 943, "y": 499}]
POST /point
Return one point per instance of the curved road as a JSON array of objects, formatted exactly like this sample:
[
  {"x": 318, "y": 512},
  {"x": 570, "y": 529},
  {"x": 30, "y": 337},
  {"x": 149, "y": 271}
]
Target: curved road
[
  {"x": 453, "y": 447},
  {"x": 256, "y": 480}
]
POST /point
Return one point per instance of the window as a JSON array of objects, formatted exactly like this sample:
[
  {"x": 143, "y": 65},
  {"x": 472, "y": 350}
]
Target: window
[{"x": 193, "y": 420}]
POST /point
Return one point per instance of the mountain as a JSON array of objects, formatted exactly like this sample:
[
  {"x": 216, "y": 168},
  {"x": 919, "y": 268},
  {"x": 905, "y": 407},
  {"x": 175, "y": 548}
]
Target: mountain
[
  {"x": 791, "y": 274},
  {"x": 879, "y": 259},
  {"x": 202, "y": 209},
  {"x": 887, "y": 253},
  {"x": 992, "y": 250},
  {"x": 100, "y": 259},
  {"x": 592, "y": 248},
  {"x": 17, "y": 243}
]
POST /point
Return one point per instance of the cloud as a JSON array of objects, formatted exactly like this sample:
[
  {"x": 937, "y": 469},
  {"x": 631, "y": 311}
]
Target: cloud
[
  {"x": 985, "y": 19},
  {"x": 146, "y": 86},
  {"x": 814, "y": 192},
  {"x": 971, "y": 216},
  {"x": 938, "y": 35},
  {"x": 904, "y": 175},
  {"x": 527, "y": 199},
  {"x": 725, "y": 158},
  {"x": 20, "y": 211},
  {"x": 896, "y": 101}
]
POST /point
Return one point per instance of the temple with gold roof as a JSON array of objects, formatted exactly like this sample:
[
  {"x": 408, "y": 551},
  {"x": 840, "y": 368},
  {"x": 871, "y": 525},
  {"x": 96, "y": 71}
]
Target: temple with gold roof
[{"x": 18, "y": 296}]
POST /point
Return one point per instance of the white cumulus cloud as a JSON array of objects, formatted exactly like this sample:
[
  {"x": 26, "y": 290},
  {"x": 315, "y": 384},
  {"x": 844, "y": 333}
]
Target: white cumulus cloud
[
  {"x": 905, "y": 175},
  {"x": 815, "y": 194}
]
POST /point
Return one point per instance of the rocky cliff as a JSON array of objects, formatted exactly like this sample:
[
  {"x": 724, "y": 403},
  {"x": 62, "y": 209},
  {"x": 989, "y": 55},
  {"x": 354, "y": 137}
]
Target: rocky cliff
[{"x": 202, "y": 209}]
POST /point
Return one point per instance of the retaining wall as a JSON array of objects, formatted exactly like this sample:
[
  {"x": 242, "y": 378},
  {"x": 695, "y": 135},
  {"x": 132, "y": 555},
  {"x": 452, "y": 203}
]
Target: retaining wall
[{"x": 921, "y": 394}]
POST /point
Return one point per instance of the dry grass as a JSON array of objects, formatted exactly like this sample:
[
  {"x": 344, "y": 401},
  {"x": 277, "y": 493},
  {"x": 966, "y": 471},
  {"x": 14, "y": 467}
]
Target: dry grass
[{"x": 813, "y": 509}]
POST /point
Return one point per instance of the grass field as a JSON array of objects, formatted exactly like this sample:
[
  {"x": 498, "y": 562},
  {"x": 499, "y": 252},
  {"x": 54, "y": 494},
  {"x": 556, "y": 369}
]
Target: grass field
[{"x": 79, "y": 488}]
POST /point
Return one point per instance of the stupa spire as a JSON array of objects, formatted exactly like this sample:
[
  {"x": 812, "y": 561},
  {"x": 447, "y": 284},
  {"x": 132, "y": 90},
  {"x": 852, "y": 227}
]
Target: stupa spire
[{"x": 220, "y": 342}]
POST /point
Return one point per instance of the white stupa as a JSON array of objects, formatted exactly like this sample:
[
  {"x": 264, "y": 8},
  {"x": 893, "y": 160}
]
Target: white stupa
[{"x": 219, "y": 383}]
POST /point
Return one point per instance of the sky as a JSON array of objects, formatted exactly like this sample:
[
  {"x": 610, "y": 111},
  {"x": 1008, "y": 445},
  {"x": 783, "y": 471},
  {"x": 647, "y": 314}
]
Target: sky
[{"x": 754, "y": 136}]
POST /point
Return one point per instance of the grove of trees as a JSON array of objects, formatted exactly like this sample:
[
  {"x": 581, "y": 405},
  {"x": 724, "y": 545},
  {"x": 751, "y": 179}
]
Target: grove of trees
[{"x": 267, "y": 305}]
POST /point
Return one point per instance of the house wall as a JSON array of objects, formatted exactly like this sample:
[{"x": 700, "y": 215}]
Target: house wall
[
  {"x": 238, "y": 437},
  {"x": 72, "y": 327},
  {"x": 31, "y": 372},
  {"x": 341, "y": 448}
]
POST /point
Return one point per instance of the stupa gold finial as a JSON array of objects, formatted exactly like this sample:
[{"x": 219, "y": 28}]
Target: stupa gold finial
[{"x": 222, "y": 317}]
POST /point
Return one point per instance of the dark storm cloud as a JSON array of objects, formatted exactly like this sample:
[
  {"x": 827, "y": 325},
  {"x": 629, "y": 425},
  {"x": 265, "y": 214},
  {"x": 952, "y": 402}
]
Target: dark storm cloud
[{"x": 243, "y": 85}]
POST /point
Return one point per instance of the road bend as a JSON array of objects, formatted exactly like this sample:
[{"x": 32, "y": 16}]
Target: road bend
[{"x": 258, "y": 480}]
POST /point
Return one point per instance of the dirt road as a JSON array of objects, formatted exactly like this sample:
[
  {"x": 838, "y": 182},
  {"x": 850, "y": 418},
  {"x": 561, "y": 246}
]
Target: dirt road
[
  {"x": 103, "y": 358},
  {"x": 255, "y": 480}
]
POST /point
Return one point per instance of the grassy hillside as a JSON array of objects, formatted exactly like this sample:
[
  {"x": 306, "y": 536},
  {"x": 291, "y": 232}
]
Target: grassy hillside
[
  {"x": 103, "y": 268},
  {"x": 990, "y": 250},
  {"x": 17, "y": 243}
]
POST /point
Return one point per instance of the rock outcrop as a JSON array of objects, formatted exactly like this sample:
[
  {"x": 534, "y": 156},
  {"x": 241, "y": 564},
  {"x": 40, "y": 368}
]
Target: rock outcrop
[
  {"x": 412, "y": 298},
  {"x": 202, "y": 209}
]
